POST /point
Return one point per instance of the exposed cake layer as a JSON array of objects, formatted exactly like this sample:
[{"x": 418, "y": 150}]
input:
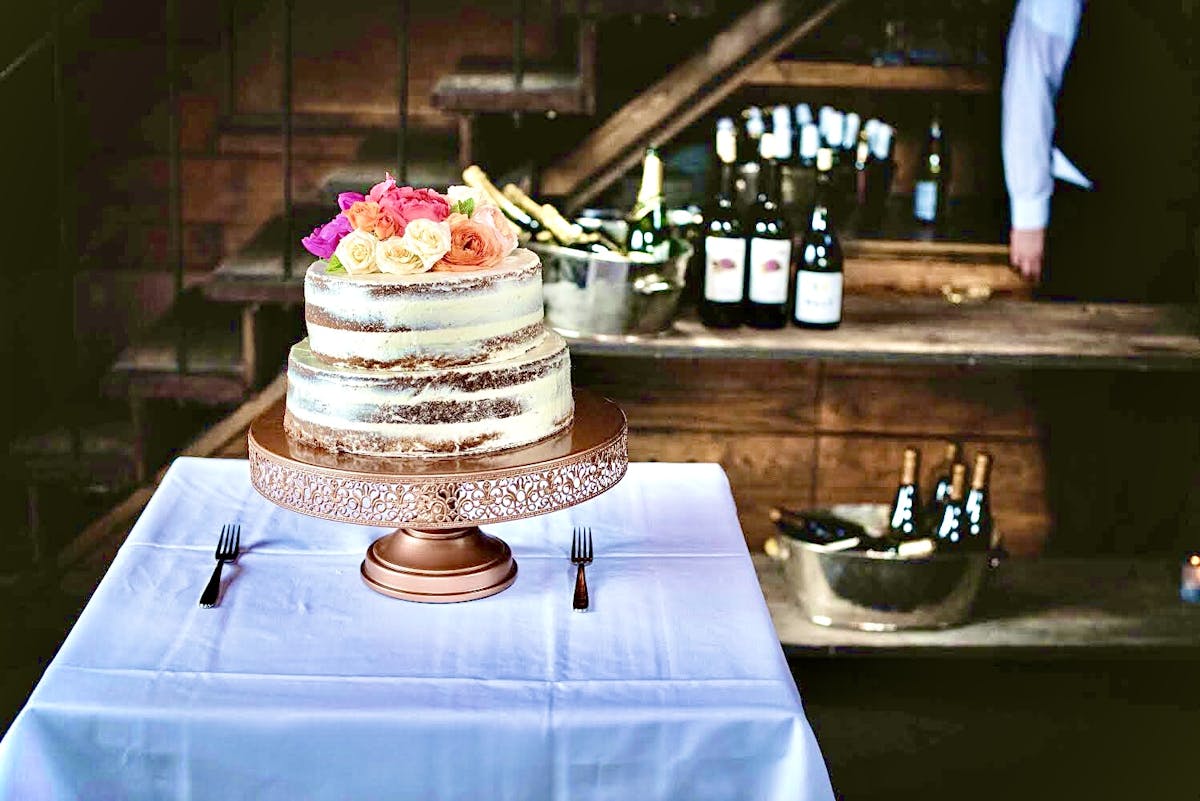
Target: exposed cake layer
[
  {"x": 447, "y": 411},
  {"x": 412, "y": 322}
]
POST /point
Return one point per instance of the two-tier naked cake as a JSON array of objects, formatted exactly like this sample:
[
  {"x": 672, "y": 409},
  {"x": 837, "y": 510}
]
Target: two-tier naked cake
[{"x": 425, "y": 332}]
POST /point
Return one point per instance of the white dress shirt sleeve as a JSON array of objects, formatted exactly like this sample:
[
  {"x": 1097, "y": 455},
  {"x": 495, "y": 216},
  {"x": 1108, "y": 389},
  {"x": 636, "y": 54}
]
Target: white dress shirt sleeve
[{"x": 1039, "y": 44}]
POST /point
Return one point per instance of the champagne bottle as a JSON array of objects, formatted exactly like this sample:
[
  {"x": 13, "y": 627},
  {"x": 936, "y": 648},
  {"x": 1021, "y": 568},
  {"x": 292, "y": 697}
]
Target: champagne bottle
[
  {"x": 951, "y": 528},
  {"x": 977, "y": 509},
  {"x": 929, "y": 192},
  {"x": 475, "y": 177},
  {"x": 647, "y": 228},
  {"x": 818, "y": 269},
  {"x": 781, "y": 129},
  {"x": 770, "y": 248},
  {"x": 724, "y": 244},
  {"x": 941, "y": 481},
  {"x": 904, "y": 523},
  {"x": 559, "y": 230},
  {"x": 820, "y": 528}
]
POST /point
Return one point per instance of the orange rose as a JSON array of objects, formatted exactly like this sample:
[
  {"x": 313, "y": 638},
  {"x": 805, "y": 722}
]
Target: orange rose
[
  {"x": 473, "y": 246},
  {"x": 388, "y": 224},
  {"x": 363, "y": 215}
]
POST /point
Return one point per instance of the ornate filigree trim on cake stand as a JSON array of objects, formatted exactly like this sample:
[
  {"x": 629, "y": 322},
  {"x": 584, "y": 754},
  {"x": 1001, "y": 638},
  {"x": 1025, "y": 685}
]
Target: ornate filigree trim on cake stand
[{"x": 438, "y": 552}]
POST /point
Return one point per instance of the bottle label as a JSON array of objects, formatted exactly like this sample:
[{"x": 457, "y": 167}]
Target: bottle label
[
  {"x": 724, "y": 269},
  {"x": 818, "y": 297},
  {"x": 925, "y": 198},
  {"x": 769, "y": 262}
]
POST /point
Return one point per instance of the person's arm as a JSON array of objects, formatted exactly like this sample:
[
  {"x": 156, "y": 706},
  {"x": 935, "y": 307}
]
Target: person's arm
[{"x": 1039, "y": 43}]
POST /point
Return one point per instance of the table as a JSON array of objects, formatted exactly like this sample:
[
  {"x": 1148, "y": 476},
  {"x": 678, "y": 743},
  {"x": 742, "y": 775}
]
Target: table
[{"x": 304, "y": 684}]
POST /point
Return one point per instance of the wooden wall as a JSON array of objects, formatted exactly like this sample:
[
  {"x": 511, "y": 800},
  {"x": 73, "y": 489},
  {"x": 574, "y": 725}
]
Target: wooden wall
[{"x": 808, "y": 433}]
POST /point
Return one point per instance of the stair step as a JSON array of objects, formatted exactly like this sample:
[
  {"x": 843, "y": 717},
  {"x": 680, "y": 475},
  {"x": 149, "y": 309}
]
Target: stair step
[
  {"x": 491, "y": 92},
  {"x": 255, "y": 271},
  {"x": 213, "y": 370},
  {"x": 106, "y": 456}
]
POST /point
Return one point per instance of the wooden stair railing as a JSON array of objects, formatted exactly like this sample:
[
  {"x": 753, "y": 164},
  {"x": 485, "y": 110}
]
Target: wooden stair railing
[{"x": 681, "y": 97}]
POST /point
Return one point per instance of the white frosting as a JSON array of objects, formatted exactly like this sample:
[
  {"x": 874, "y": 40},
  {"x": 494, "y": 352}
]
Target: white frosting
[
  {"x": 350, "y": 400},
  {"x": 439, "y": 319},
  {"x": 382, "y": 346}
]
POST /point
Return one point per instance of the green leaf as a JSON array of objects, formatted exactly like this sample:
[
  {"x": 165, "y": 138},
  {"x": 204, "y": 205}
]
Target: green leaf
[
  {"x": 466, "y": 206},
  {"x": 335, "y": 265}
]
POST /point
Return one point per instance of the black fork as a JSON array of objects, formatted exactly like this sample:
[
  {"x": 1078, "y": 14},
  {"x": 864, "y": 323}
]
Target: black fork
[
  {"x": 581, "y": 554},
  {"x": 227, "y": 551}
]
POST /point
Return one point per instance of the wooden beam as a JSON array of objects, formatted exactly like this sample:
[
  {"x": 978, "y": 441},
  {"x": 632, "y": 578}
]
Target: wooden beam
[
  {"x": 837, "y": 75},
  {"x": 681, "y": 97}
]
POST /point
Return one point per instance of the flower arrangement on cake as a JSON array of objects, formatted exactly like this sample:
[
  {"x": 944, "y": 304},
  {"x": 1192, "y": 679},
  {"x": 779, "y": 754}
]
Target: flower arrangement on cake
[{"x": 403, "y": 230}]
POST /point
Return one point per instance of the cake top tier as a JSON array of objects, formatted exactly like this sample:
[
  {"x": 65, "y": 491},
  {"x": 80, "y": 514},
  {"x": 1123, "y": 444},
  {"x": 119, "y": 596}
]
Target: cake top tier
[{"x": 518, "y": 263}]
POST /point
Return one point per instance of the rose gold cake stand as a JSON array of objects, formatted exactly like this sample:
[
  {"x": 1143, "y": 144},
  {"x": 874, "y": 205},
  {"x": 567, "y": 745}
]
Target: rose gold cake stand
[{"x": 438, "y": 554}]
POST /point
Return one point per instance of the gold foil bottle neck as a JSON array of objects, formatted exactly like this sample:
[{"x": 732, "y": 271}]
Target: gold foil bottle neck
[
  {"x": 982, "y": 472},
  {"x": 958, "y": 482}
]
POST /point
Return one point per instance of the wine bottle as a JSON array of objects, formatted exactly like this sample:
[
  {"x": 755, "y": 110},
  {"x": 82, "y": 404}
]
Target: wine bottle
[
  {"x": 781, "y": 129},
  {"x": 647, "y": 228},
  {"x": 862, "y": 159},
  {"x": 803, "y": 115},
  {"x": 749, "y": 169},
  {"x": 951, "y": 528},
  {"x": 929, "y": 191},
  {"x": 977, "y": 509},
  {"x": 904, "y": 523},
  {"x": 818, "y": 269},
  {"x": 721, "y": 304},
  {"x": 941, "y": 481},
  {"x": 879, "y": 171},
  {"x": 799, "y": 207},
  {"x": 770, "y": 250},
  {"x": 820, "y": 528},
  {"x": 476, "y": 178}
]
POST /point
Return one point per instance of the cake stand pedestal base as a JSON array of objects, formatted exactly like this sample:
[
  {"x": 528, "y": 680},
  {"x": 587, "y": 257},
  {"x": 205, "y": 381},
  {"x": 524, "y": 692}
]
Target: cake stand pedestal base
[{"x": 439, "y": 566}]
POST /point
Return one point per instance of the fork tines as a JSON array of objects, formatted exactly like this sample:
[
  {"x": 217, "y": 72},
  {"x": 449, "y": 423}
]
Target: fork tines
[{"x": 581, "y": 545}]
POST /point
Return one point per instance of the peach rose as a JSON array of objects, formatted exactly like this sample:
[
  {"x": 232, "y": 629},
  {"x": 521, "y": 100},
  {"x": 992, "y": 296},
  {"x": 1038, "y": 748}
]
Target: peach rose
[
  {"x": 474, "y": 245},
  {"x": 495, "y": 218},
  {"x": 363, "y": 215},
  {"x": 388, "y": 224}
]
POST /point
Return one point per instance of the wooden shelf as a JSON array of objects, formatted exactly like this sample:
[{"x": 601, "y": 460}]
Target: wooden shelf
[
  {"x": 921, "y": 330},
  {"x": 1039, "y": 608},
  {"x": 837, "y": 75}
]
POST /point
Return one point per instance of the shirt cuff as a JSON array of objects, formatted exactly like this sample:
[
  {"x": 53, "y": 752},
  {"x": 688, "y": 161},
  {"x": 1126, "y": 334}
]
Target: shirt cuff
[{"x": 1031, "y": 212}]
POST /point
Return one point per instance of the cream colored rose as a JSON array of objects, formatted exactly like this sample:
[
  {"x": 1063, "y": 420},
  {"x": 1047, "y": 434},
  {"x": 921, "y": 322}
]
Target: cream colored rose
[
  {"x": 457, "y": 194},
  {"x": 393, "y": 256},
  {"x": 356, "y": 252},
  {"x": 427, "y": 240}
]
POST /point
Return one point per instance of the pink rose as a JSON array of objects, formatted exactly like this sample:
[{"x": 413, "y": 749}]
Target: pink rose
[
  {"x": 415, "y": 204},
  {"x": 384, "y": 187},
  {"x": 474, "y": 245},
  {"x": 491, "y": 215}
]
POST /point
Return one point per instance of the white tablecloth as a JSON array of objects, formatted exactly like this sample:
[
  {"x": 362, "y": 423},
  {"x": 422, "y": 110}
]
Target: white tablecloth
[{"x": 304, "y": 684}]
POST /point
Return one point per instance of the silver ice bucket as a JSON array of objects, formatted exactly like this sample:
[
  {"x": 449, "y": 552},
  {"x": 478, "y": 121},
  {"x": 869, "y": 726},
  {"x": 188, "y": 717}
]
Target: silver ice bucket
[
  {"x": 593, "y": 293},
  {"x": 879, "y": 591}
]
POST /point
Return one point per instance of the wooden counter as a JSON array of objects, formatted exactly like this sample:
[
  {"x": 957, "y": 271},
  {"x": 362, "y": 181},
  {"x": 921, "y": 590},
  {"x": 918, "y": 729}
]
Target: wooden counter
[
  {"x": 1031, "y": 608},
  {"x": 920, "y": 330}
]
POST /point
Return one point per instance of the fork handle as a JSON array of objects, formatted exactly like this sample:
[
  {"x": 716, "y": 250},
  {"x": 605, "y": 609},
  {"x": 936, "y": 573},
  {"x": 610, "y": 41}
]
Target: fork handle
[
  {"x": 209, "y": 596},
  {"x": 581, "y": 594}
]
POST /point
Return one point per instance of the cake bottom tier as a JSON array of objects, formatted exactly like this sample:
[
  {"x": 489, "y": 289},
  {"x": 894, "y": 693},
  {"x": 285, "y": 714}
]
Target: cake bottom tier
[{"x": 442, "y": 412}]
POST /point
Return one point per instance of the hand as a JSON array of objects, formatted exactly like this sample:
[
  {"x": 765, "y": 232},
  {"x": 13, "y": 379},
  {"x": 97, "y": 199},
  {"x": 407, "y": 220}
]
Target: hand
[{"x": 1026, "y": 249}]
